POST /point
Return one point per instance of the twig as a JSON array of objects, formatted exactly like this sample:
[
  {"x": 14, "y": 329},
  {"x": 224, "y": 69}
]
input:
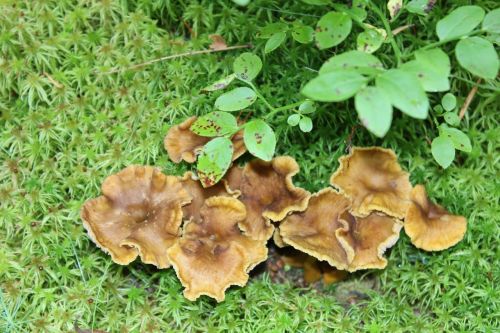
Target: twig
[
  {"x": 468, "y": 100},
  {"x": 173, "y": 56},
  {"x": 401, "y": 29},
  {"x": 54, "y": 82}
]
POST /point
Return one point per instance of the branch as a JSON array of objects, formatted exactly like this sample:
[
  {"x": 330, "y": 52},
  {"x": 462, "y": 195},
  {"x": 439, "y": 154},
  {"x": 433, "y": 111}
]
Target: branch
[{"x": 468, "y": 100}]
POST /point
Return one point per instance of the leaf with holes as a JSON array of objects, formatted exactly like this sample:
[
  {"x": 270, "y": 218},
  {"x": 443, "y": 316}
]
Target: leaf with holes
[
  {"x": 332, "y": 29},
  {"x": 478, "y": 56},
  {"x": 420, "y": 7},
  {"x": 220, "y": 84},
  {"x": 259, "y": 139},
  {"x": 247, "y": 66},
  {"x": 459, "y": 22},
  {"x": 334, "y": 86},
  {"x": 405, "y": 92},
  {"x": 302, "y": 33},
  {"x": 394, "y": 6},
  {"x": 460, "y": 140},
  {"x": 357, "y": 61},
  {"x": 214, "y": 160},
  {"x": 374, "y": 110},
  {"x": 215, "y": 124},
  {"x": 236, "y": 99},
  {"x": 451, "y": 118},
  {"x": 443, "y": 151},
  {"x": 369, "y": 40}
]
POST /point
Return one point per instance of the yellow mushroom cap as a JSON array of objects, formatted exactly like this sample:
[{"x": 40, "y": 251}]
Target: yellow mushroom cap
[
  {"x": 373, "y": 180},
  {"x": 139, "y": 213},
  {"x": 429, "y": 226}
]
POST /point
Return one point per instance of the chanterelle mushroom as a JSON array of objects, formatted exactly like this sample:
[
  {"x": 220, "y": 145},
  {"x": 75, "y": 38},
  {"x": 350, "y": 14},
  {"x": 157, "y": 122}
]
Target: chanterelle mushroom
[
  {"x": 314, "y": 230},
  {"x": 268, "y": 193},
  {"x": 139, "y": 213},
  {"x": 367, "y": 238},
  {"x": 429, "y": 226},
  {"x": 182, "y": 144},
  {"x": 373, "y": 180},
  {"x": 214, "y": 253}
]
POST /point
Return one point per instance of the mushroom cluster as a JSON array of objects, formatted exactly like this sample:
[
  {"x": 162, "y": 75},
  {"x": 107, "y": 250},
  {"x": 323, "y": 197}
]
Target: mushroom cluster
[
  {"x": 213, "y": 236},
  {"x": 350, "y": 227}
]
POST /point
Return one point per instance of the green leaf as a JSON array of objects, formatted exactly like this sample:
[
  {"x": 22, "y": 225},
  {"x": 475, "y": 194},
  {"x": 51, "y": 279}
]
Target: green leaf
[
  {"x": 214, "y": 160},
  {"x": 306, "y": 124},
  {"x": 459, "y": 22},
  {"x": 356, "y": 10},
  {"x": 303, "y": 33},
  {"x": 358, "y": 61},
  {"x": 307, "y": 107},
  {"x": 420, "y": 7},
  {"x": 405, "y": 92},
  {"x": 394, "y": 6},
  {"x": 491, "y": 21},
  {"x": 272, "y": 28},
  {"x": 478, "y": 56},
  {"x": 460, "y": 140},
  {"x": 443, "y": 151},
  {"x": 215, "y": 124},
  {"x": 236, "y": 99},
  {"x": 332, "y": 29},
  {"x": 449, "y": 102},
  {"x": 259, "y": 139},
  {"x": 293, "y": 120},
  {"x": 451, "y": 118},
  {"x": 247, "y": 66},
  {"x": 274, "y": 42},
  {"x": 334, "y": 86},
  {"x": 369, "y": 41},
  {"x": 432, "y": 68},
  {"x": 374, "y": 110},
  {"x": 317, "y": 2},
  {"x": 242, "y": 3},
  {"x": 220, "y": 84}
]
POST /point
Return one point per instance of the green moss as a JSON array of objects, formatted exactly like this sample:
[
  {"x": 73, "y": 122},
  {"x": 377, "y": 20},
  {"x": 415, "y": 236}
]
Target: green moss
[{"x": 65, "y": 126}]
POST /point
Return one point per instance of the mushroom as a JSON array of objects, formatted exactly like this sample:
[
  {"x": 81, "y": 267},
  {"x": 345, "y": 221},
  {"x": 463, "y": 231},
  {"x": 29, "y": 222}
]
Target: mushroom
[
  {"x": 314, "y": 269},
  {"x": 373, "y": 180},
  {"x": 429, "y": 226},
  {"x": 139, "y": 213},
  {"x": 182, "y": 144},
  {"x": 314, "y": 230},
  {"x": 367, "y": 238},
  {"x": 214, "y": 253},
  {"x": 268, "y": 193}
]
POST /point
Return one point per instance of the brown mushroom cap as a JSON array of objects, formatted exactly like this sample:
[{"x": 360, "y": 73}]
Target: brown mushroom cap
[
  {"x": 429, "y": 226},
  {"x": 268, "y": 193},
  {"x": 367, "y": 238},
  {"x": 213, "y": 253},
  {"x": 314, "y": 231},
  {"x": 182, "y": 144},
  {"x": 139, "y": 213},
  {"x": 373, "y": 180}
]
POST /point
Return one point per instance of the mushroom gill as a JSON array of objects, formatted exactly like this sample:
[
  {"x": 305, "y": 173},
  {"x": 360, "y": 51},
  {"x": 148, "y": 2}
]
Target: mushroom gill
[
  {"x": 139, "y": 213},
  {"x": 213, "y": 253},
  {"x": 429, "y": 226},
  {"x": 372, "y": 178},
  {"x": 268, "y": 193},
  {"x": 183, "y": 144}
]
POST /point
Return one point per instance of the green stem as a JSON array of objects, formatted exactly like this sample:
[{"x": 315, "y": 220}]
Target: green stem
[
  {"x": 283, "y": 108},
  {"x": 259, "y": 95},
  {"x": 388, "y": 29}
]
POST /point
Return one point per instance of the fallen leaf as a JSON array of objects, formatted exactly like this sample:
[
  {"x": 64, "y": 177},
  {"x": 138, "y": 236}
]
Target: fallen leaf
[{"x": 218, "y": 43}]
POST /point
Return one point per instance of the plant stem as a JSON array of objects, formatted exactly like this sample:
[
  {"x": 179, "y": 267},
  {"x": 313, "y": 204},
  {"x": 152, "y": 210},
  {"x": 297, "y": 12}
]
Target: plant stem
[
  {"x": 283, "y": 108},
  {"x": 259, "y": 95},
  {"x": 388, "y": 29}
]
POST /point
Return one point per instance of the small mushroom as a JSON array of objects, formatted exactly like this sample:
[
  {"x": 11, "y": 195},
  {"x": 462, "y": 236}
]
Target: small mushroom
[
  {"x": 367, "y": 238},
  {"x": 268, "y": 193},
  {"x": 314, "y": 230},
  {"x": 429, "y": 226},
  {"x": 139, "y": 213},
  {"x": 373, "y": 180},
  {"x": 182, "y": 144},
  {"x": 214, "y": 253}
]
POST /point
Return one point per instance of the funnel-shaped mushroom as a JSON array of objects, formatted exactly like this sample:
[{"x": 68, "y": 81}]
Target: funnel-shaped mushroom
[
  {"x": 313, "y": 268},
  {"x": 314, "y": 231},
  {"x": 268, "y": 193},
  {"x": 373, "y": 180},
  {"x": 213, "y": 253},
  {"x": 182, "y": 144},
  {"x": 429, "y": 226},
  {"x": 139, "y": 213},
  {"x": 367, "y": 238}
]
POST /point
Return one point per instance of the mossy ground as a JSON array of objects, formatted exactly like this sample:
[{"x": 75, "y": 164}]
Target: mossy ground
[{"x": 65, "y": 127}]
